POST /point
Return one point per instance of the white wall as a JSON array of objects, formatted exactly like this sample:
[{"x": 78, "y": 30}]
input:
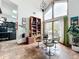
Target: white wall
[
  {"x": 25, "y": 9},
  {"x": 73, "y": 11},
  {"x": 73, "y": 8}
]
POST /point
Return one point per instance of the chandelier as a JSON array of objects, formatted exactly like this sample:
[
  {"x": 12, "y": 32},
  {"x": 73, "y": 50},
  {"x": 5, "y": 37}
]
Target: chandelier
[{"x": 43, "y": 6}]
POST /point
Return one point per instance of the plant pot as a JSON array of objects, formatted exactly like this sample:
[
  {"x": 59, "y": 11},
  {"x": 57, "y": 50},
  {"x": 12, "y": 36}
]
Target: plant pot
[{"x": 75, "y": 48}]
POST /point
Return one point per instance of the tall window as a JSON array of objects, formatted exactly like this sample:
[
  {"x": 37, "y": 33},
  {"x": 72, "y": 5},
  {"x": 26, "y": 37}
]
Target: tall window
[
  {"x": 48, "y": 14},
  {"x": 60, "y": 9}
]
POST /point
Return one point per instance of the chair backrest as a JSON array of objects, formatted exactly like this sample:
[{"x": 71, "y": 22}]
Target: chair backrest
[
  {"x": 48, "y": 41},
  {"x": 45, "y": 37}
]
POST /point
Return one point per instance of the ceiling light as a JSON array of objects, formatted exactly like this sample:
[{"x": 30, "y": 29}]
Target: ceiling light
[
  {"x": 2, "y": 19},
  {"x": 1, "y": 22},
  {"x": 13, "y": 16},
  {"x": 43, "y": 6},
  {"x": 14, "y": 11},
  {"x": 34, "y": 12}
]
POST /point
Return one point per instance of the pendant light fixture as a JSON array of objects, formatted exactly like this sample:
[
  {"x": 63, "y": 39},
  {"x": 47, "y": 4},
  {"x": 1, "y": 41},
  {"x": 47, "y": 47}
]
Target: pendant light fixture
[{"x": 43, "y": 7}]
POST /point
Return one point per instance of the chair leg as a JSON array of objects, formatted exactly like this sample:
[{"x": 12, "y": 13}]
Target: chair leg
[
  {"x": 37, "y": 45},
  {"x": 55, "y": 46},
  {"x": 50, "y": 53}
]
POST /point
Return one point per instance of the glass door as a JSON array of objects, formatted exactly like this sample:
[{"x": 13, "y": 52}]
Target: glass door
[
  {"x": 59, "y": 29},
  {"x": 48, "y": 29}
]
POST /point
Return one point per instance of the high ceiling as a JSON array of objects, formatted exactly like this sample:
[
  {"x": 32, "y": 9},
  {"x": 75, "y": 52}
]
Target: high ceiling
[
  {"x": 27, "y": 7},
  {"x": 37, "y": 3}
]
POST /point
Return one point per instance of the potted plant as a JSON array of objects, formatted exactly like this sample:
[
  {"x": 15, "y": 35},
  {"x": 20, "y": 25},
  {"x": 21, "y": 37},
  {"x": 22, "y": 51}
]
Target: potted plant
[{"x": 74, "y": 31}]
